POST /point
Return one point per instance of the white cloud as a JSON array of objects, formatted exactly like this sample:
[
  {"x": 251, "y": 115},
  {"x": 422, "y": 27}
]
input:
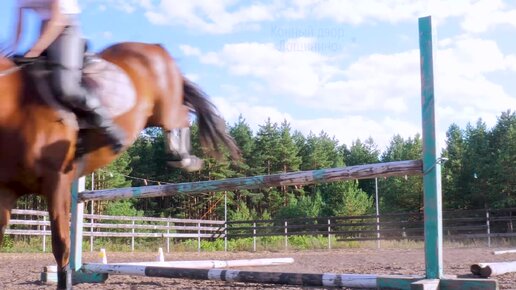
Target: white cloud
[
  {"x": 475, "y": 16},
  {"x": 223, "y": 16},
  {"x": 254, "y": 114},
  {"x": 463, "y": 85},
  {"x": 227, "y": 16},
  {"x": 189, "y": 50},
  {"x": 107, "y": 35},
  {"x": 374, "y": 85},
  {"x": 192, "y": 77},
  {"x": 345, "y": 129},
  {"x": 315, "y": 80}
]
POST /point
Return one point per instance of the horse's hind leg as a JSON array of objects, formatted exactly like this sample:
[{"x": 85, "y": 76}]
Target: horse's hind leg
[
  {"x": 7, "y": 201},
  {"x": 57, "y": 189}
]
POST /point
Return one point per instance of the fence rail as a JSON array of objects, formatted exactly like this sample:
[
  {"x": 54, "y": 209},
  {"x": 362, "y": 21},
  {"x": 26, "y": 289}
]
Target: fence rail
[
  {"x": 36, "y": 223},
  {"x": 458, "y": 225}
]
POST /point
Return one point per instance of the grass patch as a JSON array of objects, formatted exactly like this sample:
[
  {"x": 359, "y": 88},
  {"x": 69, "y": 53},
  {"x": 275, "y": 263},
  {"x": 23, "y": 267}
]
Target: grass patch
[{"x": 272, "y": 244}]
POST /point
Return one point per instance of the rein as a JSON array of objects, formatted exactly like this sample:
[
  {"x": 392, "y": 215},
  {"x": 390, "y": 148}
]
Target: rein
[
  {"x": 20, "y": 62},
  {"x": 12, "y": 70}
]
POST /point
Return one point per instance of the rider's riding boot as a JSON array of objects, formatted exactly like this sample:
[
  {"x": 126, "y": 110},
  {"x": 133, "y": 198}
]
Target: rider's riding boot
[
  {"x": 178, "y": 147},
  {"x": 94, "y": 114}
]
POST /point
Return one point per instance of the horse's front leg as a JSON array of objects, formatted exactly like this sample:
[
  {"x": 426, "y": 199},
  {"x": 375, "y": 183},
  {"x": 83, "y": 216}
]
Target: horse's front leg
[
  {"x": 7, "y": 201},
  {"x": 57, "y": 188}
]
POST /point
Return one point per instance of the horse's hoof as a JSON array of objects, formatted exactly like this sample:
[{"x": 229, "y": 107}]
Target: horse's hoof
[
  {"x": 64, "y": 280},
  {"x": 190, "y": 163}
]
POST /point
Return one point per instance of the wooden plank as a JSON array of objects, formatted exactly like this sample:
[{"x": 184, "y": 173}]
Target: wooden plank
[
  {"x": 147, "y": 235},
  {"x": 501, "y": 252},
  {"x": 431, "y": 166},
  {"x": 396, "y": 281},
  {"x": 448, "y": 283},
  {"x": 76, "y": 228},
  {"x": 398, "y": 168},
  {"x": 151, "y": 227},
  {"x": 27, "y": 232},
  {"x": 77, "y": 277},
  {"x": 152, "y": 219},
  {"x": 29, "y": 212},
  {"x": 206, "y": 264},
  {"x": 426, "y": 284},
  {"x": 29, "y": 222}
]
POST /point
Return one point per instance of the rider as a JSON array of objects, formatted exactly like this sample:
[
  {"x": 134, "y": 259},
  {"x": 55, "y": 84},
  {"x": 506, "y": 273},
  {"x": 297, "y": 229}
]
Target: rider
[{"x": 60, "y": 36}]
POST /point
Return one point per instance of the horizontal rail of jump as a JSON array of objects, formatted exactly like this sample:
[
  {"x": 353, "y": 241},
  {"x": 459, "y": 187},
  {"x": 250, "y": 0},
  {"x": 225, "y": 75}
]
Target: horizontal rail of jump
[
  {"x": 211, "y": 264},
  {"x": 486, "y": 270},
  {"x": 326, "y": 280},
  {"x": 398, "y": 168}
]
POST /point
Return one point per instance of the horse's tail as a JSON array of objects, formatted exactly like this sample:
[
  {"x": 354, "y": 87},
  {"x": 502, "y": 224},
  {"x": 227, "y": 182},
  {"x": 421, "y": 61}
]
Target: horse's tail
[{"x": 212, "y": 128}]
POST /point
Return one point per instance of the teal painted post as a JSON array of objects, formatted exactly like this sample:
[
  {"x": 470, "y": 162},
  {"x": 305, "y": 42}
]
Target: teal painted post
[
  {"x": 431, "y": 165},
  {"x": 77, "y": 225}
]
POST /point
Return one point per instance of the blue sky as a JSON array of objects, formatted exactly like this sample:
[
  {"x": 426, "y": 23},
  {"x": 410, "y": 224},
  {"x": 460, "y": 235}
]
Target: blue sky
[{"x": 350, "y": 68}]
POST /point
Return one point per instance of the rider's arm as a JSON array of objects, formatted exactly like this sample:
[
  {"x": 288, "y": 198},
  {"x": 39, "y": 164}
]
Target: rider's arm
[{"x": 54, "y": 26}]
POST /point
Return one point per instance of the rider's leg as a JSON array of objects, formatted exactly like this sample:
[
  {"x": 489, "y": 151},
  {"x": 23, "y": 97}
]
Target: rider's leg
[{"x": 66, "y": 54}]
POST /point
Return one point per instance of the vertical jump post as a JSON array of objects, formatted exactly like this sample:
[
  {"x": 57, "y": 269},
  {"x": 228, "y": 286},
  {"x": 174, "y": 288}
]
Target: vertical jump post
[{"x": 431, "y": 164}]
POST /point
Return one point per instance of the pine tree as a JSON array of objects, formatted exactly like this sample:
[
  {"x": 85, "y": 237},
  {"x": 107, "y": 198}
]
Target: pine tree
[
  {"x": 452, "y": 168},
  {"x": 477, "y": 163},
  {"x": 267, "y": 141},
  {"x": 402, "y": 193},
  {"x": 362, "y": 153},
  {"x": 502, "y": 181}
]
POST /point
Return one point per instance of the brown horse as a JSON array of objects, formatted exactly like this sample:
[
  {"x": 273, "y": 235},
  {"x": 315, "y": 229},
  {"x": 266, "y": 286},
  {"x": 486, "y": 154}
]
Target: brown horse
[{"x": 37, "y": 145}]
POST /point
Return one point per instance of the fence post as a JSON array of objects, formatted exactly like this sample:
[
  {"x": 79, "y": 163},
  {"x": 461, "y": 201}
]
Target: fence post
[
  {"x": 199, "y": 237},
  {"x": 377, "y": 214},
  {"x": 132, "y": 237},
  {"x": 91, "y": 231},
  {"x": 488, "y": 229},
  {"x": 225, "y": 221},
  {"x": 286, "y": 236},
  {"x": 44, "y": 234},
  {"x": 329, "y": 234},
  {"x": 168, "y": 237},
  {"x": 76, "y": 231},
  {"x": 254, "y": 236}
]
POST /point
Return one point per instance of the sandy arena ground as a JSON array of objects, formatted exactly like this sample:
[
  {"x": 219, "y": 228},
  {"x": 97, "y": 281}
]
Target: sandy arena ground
[{"x": 21, "y": 271}]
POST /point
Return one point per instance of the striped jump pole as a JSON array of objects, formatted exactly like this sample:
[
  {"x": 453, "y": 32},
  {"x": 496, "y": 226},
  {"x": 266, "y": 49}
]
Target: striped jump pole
[{"x": 301, "y": 279}]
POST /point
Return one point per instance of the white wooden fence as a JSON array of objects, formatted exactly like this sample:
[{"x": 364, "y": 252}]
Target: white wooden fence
[{"x": 36, "y": 223}]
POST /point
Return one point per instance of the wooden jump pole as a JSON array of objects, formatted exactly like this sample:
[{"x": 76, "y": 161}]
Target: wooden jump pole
[
  {"x": 321, "y": 280},
  {"x": 502, "y": 252},
  {"x": 397, "y": 168},
  {"x": 486, "y": 270},
  {"x": 211, "y": 264}
]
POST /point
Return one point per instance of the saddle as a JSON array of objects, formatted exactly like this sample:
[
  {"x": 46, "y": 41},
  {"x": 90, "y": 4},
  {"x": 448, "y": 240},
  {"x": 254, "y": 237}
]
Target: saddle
[{"x": 105, "y": 80}]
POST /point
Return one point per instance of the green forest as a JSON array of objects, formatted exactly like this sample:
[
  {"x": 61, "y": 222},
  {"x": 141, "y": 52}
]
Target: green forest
[{"x": 480, "y": 172}]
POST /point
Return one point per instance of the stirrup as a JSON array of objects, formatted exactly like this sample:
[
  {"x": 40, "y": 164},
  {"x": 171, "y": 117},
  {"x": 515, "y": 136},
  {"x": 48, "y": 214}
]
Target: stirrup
[{"x": 189, "y": 163}]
